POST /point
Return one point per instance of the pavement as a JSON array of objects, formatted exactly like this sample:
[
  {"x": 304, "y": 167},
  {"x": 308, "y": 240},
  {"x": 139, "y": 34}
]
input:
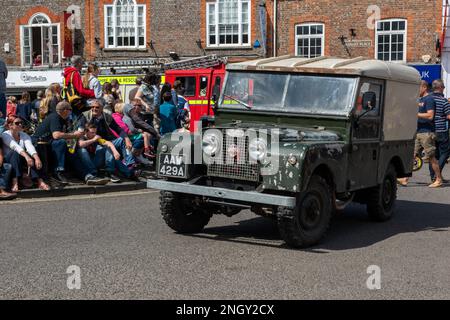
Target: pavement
[
  {"x": 77, "y": 187},
  {"x": 125, "y": 251}
]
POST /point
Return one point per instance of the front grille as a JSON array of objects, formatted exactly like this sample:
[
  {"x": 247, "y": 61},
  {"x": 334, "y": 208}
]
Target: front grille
[{"x": 235, "y": 164}]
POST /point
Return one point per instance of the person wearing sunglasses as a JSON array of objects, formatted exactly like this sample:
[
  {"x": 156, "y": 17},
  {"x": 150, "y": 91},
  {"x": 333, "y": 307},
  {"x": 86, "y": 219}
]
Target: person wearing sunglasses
[{"x": 21, "y": 154}]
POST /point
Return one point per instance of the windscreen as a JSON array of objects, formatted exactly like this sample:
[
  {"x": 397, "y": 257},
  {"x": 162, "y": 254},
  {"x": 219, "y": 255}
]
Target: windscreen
[{"x": 293, "y": 93}]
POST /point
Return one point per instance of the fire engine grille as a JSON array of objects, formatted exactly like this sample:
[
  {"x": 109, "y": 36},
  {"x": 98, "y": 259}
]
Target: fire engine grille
[{"x": 234, "y": 161}]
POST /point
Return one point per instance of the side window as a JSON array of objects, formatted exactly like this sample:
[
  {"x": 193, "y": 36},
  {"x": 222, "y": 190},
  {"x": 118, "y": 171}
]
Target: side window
[
  {"x": 216, "y": 89},
  {"x": 203, "y": 86},
  {"x": 189, "y": 85},
  {"x": 369, "y": 87}
]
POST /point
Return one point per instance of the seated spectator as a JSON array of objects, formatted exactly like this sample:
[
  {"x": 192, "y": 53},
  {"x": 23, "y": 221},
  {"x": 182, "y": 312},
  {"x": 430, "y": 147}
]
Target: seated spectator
[
  {"x": 20, "y": 153},
  {"x": 45, "y": 105},
  {"x": 5, "y": 172},
  {"x": 35, "y": 105},
  {"x": 109, "y": 104},
  {"x": 106, "y": 127},
  {"x": 56, "y": 92},
  {"x": 11, "y": 106},
  {"x": 54, "y": 131},
  {"x": 115, "y": 89},
  {"x": 137, "y": 136},
  {"x": 24, "y": 107},
  {"x": 96, "y": 152},
  {"x": 168, "y": 115}
]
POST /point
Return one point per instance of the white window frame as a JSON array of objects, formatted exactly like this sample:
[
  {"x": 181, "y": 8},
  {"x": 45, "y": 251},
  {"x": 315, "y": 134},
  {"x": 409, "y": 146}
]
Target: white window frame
[
  {"x": 30, "y": 25},
  {"x": 114, "y": 26},
  {"x": 215, "y": 4},
  {"x": 310, "y": 36},
  {"x": 390, "y": 33}
]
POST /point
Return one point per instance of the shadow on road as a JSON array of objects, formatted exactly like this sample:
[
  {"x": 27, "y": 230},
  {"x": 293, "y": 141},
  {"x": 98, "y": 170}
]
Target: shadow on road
[{"x": 352, "y": 230}]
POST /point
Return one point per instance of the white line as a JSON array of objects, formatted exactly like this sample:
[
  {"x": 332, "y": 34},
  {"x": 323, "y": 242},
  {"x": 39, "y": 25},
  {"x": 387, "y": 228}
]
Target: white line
[{"x": 79, "y": 197}]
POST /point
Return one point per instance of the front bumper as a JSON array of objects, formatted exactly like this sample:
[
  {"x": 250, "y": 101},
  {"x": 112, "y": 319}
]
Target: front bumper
[{"x": 222, "y": 193}]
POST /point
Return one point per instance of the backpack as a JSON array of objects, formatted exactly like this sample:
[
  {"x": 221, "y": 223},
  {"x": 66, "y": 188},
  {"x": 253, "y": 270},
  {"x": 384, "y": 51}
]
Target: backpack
[{"x": 70, "y": 94}]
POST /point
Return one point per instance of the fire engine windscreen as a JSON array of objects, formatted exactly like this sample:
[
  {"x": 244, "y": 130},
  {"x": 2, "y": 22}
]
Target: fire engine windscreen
[{"x": 293, "y": 93}]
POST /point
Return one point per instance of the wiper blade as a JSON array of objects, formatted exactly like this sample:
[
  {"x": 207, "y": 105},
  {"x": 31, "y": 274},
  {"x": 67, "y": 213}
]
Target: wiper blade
[{"x": 238, "y": 101}]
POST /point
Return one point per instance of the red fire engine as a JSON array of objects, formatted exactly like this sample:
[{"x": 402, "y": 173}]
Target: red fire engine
[{"x": 202, "y": 78}]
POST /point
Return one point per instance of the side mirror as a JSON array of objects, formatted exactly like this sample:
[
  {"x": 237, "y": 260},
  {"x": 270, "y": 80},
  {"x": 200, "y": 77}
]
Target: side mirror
[{"x": 369, "y": 101}]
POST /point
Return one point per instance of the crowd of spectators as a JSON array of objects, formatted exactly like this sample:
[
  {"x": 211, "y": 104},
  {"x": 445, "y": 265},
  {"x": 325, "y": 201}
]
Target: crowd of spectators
[{"x": 85, "y": 129}]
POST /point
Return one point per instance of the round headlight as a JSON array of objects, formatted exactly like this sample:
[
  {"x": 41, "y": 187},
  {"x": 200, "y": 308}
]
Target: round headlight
[
  {"x": 257, "y": 149},
  {"x": 164, "y": 148},
  {"x": 211, "y": 143}
]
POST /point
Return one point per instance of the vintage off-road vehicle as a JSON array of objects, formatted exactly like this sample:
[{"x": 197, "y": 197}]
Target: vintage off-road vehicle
[{"x": 295, "y": 139}]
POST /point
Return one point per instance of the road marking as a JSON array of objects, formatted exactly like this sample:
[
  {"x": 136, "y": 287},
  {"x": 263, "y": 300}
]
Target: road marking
[{"x": 79, "y": 197}]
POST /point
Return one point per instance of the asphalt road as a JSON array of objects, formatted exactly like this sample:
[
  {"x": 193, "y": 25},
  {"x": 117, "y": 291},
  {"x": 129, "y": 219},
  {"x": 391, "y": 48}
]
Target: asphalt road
[{"x": 125, "y": 251}]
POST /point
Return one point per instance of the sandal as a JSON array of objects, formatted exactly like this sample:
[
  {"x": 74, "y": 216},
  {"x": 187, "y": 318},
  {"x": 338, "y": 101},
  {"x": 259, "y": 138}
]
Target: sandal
[
  {"x": 43, "y": 186},
  {"x": 15, "y": 187}
]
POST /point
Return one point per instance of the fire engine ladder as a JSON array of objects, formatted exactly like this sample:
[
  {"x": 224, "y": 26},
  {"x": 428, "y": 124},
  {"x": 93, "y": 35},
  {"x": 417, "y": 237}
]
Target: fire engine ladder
[{"x": 195, "y": 63}]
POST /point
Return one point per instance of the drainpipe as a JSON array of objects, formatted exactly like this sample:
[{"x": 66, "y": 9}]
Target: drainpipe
[{"x": 275, "y": 14}]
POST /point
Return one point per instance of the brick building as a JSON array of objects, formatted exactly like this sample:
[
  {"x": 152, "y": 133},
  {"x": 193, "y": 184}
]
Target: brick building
[
  {"x": 111, "y": 30},
  {"x": 381, "y": 29}
]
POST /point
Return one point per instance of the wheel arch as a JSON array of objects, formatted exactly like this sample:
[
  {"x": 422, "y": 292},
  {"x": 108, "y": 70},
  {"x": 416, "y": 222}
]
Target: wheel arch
[{"x": 325, "y": 172}]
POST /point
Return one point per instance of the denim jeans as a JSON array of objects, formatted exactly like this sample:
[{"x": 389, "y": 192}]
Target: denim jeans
[
  {"x": 59, "y": 151},
  {"x": 18, "y": 163},
  {"x": 112, "y": 164},
  {"x": 120, "y": 145},
  {"x": 5, "y": 174},
  {"x": 3, "y": 105},
  {"x": 89, "y": 163},
  {"x": 442, "y": 150}
]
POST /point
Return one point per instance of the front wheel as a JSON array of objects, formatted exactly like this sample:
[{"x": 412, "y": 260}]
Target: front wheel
[
  {"x": 182, "y": 215},
  {"x": 381, "y": 199},
  {"x": 307, "y": 223}
]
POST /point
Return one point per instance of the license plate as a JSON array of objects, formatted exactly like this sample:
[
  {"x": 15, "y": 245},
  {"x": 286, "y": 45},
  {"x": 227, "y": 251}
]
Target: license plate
[{"x": 172, "y": 166}]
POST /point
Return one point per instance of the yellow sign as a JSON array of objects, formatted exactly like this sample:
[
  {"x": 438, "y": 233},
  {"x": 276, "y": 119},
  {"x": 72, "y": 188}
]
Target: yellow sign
[{"x": 123, "y": 80}]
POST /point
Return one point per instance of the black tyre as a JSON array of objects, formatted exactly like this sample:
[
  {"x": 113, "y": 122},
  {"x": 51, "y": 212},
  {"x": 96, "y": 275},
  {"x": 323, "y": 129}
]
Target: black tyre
[
  {"x": 181, "y": 215},
  {"x": 381, "y": 199},
  {"x": 307, "y": 223}
]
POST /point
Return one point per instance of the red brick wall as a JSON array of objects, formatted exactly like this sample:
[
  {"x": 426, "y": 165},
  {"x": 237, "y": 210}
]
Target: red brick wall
[
  {"x": 175, "y": 25},
  {"x": 423, "y": 16}
]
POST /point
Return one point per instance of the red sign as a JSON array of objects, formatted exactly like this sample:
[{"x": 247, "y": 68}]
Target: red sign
[{"x": 68, "y": 39}]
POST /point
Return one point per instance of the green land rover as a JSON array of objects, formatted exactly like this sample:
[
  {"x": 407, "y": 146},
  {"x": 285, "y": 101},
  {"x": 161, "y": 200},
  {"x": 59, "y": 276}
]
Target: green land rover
[{"x": 294, "y": 139}]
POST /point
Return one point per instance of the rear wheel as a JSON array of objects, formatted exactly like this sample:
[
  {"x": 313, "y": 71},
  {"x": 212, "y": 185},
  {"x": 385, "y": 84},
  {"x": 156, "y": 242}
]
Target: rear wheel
[
  {"x": 381, "y": 199},
  {"x": 307, "y": 223},
  {"x": 181, "y": 214}
]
